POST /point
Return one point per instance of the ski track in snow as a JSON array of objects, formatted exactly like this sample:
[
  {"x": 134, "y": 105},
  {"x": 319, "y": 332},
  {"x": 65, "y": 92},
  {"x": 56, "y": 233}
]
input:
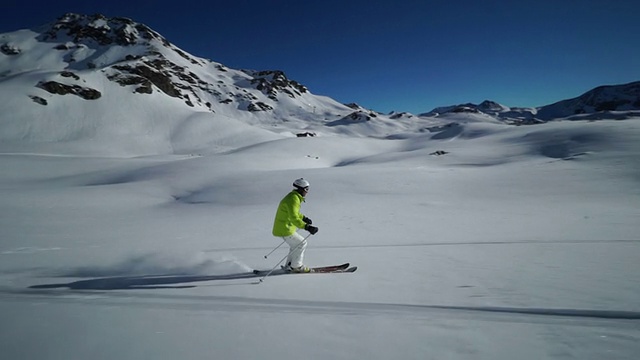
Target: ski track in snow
[
  {"x": 520, "y": 242},
  {"x": 334, "y": 308}
]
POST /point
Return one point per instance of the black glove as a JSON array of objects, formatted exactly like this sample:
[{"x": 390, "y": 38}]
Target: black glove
[
  {"x": 307, "y": 220},
  {"x": 312, "y": 229}
]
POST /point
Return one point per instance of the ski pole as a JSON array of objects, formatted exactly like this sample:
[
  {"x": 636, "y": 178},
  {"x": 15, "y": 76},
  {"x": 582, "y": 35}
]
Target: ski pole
[
  {"x": 283, "y": 259},
  {"x": 277, "y": 247}
]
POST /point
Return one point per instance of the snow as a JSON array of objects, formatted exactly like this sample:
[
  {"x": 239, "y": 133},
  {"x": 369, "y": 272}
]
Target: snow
[
  {"x": 132, "y": 233},
  {"x": 493, "y": 251}
]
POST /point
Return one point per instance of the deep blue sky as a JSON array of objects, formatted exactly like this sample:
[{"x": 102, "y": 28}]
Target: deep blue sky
[{"x": 402, "y": 55}]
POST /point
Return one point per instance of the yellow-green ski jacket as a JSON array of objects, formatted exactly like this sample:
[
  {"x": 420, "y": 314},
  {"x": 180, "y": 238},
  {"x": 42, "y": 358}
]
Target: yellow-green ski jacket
[{"x": 288, "y": 217}]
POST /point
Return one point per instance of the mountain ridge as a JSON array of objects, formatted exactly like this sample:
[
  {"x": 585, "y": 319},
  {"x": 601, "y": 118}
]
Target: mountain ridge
[
  {"x": 78, "y": 34},
  {"x": 616, "y": 101},
  {"x": 89, "y": 77}
]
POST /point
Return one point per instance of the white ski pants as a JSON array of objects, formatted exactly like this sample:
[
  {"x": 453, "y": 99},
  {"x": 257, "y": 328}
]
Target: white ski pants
[{"x": 297, "y": 245}]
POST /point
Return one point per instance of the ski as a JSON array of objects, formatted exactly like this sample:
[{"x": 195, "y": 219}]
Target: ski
[
  {"x": 330, "y": 268},
  {"x": 326, "y": 270},
  {"x": 347, "y": 270},
  {"x": 342, "y": 268}
]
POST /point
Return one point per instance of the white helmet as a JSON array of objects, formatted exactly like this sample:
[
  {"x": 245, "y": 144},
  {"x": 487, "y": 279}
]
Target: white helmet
[{"x": 301, "y": 183}]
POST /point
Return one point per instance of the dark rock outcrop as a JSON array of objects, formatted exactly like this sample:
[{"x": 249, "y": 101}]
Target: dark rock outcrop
[{"x": 55, "y": 87}]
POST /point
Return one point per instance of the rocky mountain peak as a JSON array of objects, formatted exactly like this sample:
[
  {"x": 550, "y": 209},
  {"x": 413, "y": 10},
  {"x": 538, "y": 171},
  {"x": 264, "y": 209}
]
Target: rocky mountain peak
[
  {"x": 99, "y": 29},
  {"x": 142, "y": 61},
  {"x": 489, "y": 106},
  {"x": 270, "y": 82}
]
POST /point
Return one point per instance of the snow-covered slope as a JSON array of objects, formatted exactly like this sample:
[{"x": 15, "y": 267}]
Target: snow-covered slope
[
  {"x": 473, "y": 241},
  {"x": 613, "y": 101}
]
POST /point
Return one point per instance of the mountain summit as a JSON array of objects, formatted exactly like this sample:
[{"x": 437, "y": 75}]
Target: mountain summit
[
  {"x": 138, "y": 58},
  {"x": 86, "y": 77}
]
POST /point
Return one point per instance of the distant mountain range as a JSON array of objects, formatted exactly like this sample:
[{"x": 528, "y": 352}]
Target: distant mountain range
[
  {"x": 615, "y": 101},
  {"x": 114, "y": 69}
]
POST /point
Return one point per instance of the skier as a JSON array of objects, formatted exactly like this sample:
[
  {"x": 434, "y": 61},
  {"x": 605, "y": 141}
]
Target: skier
[{"x": 288, "y": 220}]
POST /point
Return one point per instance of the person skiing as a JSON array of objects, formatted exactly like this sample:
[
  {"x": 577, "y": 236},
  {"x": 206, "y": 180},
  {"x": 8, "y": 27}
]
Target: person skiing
[{"x": 288, "y": 220}]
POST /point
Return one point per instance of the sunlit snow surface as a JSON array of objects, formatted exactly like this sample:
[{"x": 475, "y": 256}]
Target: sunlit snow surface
[{"x": 519, "y": 242}]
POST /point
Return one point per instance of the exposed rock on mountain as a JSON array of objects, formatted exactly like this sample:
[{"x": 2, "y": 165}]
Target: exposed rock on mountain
[
  {"x": 353, "y": 118},
  {"x": 486, "y": 107},
  {"x": 9, "y": 49},
  {"x": 102, "y": 30},
  {"x": 55, "y": 87},
  {"x": 272, "y": 82},
  {"x": 400, "y": 115}
]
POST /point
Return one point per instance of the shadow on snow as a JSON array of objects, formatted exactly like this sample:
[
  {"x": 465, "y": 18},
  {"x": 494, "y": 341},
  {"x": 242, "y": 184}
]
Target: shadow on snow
[{"x": 148, "y": 282}]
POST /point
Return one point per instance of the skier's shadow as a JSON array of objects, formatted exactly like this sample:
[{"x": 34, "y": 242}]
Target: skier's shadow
[{"x": 144, "y": 282}]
